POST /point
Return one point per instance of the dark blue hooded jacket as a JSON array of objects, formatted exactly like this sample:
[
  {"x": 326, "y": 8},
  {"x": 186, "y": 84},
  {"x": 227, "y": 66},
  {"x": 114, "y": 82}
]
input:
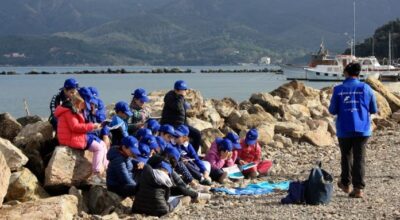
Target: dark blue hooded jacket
[
  {"x": 120, "y": 169},
  {"x": 353, "y": 102}
]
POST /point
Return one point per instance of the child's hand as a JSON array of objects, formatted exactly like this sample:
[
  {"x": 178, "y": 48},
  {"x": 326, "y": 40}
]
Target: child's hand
[
  {"x": 206, "y": 175},
  {"x": 140, "y": 165},
  {"x": 224, "y": 155},
  {"x": 242, "y": 162}
]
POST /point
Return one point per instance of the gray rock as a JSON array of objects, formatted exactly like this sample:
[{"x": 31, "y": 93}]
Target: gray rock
[
  {"x": 14, "y": 156},
  {"x": 67, "y": 167},
  {"x": 24, "y": 186},
  {"x": 39, "y": 133},
  {"x": 4, "y": 178},
  {"x": 9, "y": 128},
  {"x": 29, "y": 120}
]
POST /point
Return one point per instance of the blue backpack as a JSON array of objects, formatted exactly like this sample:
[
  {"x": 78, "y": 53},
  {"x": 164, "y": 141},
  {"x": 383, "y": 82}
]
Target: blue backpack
[
  {"x": 319, "y": 187},
  {"x": 295, "y": 193}
]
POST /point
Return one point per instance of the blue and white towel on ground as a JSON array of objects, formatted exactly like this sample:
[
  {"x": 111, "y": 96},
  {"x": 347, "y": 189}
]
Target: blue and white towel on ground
[{"x": 255, "y": 189}]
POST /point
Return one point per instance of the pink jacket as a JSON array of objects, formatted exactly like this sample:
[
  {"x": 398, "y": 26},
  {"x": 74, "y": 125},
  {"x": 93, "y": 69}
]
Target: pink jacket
[
  {"x": 214, "y": 157},
  {"x": 71, "y": 128}
]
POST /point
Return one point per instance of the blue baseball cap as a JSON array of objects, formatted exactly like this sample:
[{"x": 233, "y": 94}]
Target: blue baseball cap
[
  {"x": 150, "y": 141},
  {"x": 141, "y": 95},
  {"x": 172, "y": 152},
  {"x": 235, "y": 139},
  {"x": 87, "y": 96},
  {"x": 71, "y": 83},
  {"x": 251, "y": 136},
  {"x": 225, "y": 145},
  {"x": 161, "y": 143},
  {"x": 166, "y": 166},
  {"x": 182, "y": 130},
  {"x": 166, "y": 128},
  {"x": 153, "y": 125},
  {"x": 123, "y": 107},
  {"x": 94, "y": 91},
  {"x": 180, "y": 85},
  {"x": 144, "y": 149},
  {"x": 143, "y": 132},
  {"x": 132, "y": 144}
]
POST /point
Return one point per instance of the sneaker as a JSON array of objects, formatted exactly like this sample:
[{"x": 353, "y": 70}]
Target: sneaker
[
  {"x": 201, "y": 188},
  {"x": 356, "y": 193},
  {"x": 204, "y": 196},
  {"x": 97, "y": 180},
  {"x": 206, "y": 182},
  {"x": 345, "y": 189},
  {"x": 221, "y": 180}
]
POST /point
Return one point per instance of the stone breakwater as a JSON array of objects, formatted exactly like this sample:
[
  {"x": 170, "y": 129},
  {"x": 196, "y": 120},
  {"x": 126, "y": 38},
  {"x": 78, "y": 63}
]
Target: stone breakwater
[{"x": 296, "y": 130}]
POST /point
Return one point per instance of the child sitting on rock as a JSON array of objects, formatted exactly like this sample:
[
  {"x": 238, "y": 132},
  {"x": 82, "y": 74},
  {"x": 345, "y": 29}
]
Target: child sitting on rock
[
  {"x": 220, "y": 156},
  {"x": 198, "y": 168},
  {"x": 153, "y": 194},
  {"x": 120, "y": 178},
  {"x": 167, "y": 132},
  {"x": 171, "y": 155},
  {"x": 251, "y": 153},
  {"x": 120, "y": 122},
  {"x": 72, "y": 131},
  {"x": 153, "y": 125}
]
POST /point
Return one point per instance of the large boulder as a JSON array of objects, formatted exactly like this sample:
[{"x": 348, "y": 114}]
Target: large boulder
[
  {"x": 39, "y": 133},
  {"x": 295, "y": 111},
  {"x": 211, "y": 115},
  {"x": 100, "y": 201},
  {"x": 30, "y": 119},
  {"x": 9, "y": 128},
  {"x": 24, "y": 186},
  {"x": 198, "y": 123},
  {"x": 196, "y": 101},
  {"x": 59, "y": 207},
  {"x": 392, "y": 99},
  {"x": 290, "y": 129},
  {"x": 297, "y": 93},
  {"x": 208, "y": 136},
  {"x": 267, "y": 101},
  {"x": 5, "y": 174},
  {"x": 156, "y": 102},
  {"x": 67, "y": 167},
  {"x": 266, "y": 133},
  {"x": 14, "y": 156},
  {"x": 225, "y": 106},
  {"x": 82, "y": 206},
  {"x": 319, "y": 134},
  {"x": 384, "y": 109}
]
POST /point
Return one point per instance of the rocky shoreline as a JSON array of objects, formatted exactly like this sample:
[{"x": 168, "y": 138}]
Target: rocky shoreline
[{"x": 42, "y": 180}]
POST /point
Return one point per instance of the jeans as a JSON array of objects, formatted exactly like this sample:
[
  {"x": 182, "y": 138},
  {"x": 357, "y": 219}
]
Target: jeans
[{"x": 353, "y": 161}]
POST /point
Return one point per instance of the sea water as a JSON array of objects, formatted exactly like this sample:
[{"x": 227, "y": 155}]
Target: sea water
[{"x": 38, "y": 90}]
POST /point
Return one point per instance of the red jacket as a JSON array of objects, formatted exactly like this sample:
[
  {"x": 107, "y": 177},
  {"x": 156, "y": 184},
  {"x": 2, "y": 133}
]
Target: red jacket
[
  {"x": 251, "y": 153},
  {"x": 71, "y": 128}
]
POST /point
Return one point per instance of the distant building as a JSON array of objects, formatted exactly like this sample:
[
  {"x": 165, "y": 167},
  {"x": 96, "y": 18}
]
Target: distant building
[
  {"x": 265, "y": 61},
  {"x": 15, "y": 55}
]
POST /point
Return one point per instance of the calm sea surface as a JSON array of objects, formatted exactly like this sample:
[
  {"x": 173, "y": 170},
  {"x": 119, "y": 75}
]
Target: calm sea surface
[{"x": 39, "y": 89}]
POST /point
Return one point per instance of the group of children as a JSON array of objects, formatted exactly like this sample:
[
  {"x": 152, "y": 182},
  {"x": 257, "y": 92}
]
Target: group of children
[{"x": 141, "y": 157}]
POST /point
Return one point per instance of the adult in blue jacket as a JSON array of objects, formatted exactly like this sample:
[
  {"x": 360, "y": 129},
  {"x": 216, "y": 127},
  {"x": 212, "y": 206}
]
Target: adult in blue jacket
[
  {"x": 121, "y": 167},
  {"x": 353, "y": 102}
]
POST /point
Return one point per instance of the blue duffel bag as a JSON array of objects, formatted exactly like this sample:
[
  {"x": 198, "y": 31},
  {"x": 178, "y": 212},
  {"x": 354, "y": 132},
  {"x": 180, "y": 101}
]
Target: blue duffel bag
[{"x": 319, "y": 187}]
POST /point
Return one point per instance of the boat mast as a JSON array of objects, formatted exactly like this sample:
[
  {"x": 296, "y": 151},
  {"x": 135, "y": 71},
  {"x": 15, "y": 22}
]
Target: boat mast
[{"x": 354, "y": 27}]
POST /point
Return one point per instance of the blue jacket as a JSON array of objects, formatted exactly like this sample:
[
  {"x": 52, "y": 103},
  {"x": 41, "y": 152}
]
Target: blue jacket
[
  {"x": 120, "y": 169},
  {"x": 353, "y": 102},
  {"x": 189, "y": 152}
]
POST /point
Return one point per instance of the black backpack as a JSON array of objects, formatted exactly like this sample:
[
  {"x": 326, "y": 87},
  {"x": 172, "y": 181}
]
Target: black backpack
[{"x": 319, "y": 187}]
